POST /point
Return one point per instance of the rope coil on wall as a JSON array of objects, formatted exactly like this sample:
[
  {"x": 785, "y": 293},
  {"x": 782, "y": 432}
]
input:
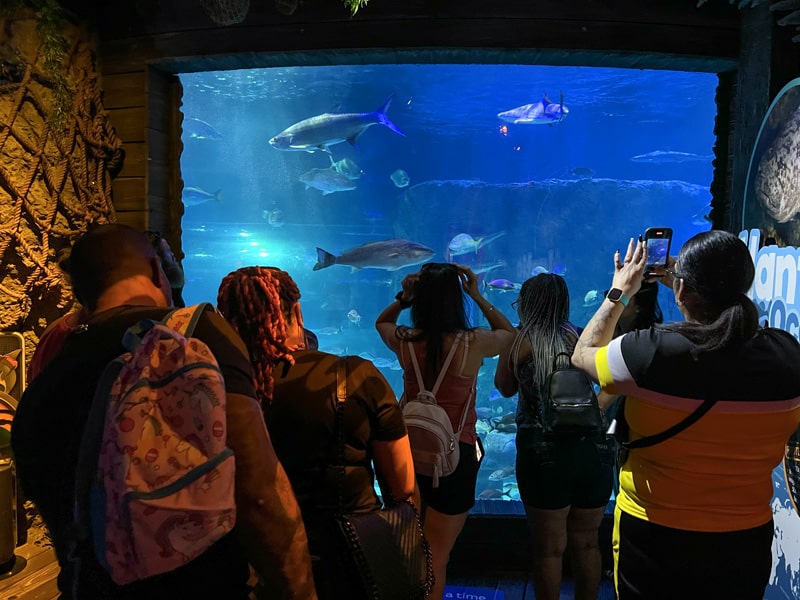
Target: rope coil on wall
[{"x": 54, "y": 181}]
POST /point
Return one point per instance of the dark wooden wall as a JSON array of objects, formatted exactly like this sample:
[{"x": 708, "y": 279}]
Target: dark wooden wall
[{"x": 142, "y": 43}]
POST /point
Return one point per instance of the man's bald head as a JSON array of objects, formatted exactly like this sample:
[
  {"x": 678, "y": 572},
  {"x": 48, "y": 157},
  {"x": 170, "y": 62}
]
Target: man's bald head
[{"x": 105, "y": 255}]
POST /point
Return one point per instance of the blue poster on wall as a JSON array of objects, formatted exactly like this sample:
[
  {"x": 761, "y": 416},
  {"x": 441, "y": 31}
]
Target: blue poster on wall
[{"x": 771, "y": 229}]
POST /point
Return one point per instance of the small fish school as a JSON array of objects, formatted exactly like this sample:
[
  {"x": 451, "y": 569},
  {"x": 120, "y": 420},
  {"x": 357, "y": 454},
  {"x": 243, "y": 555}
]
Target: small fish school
[{"x": 117, "y": 154}]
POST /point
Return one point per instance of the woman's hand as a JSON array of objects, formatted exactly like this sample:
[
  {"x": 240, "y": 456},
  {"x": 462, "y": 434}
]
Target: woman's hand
[
  {"x": 409, "y": 285},
  {"x": 469, "y": 281},
  {"x": 628, "y": 275}
]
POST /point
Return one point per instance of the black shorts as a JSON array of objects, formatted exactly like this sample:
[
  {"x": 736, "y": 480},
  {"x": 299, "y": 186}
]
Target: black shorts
[
  {"x": 653, "y": 562},
  {"x": 554, "y": 474},
  {"x": 456, "y": 492}
]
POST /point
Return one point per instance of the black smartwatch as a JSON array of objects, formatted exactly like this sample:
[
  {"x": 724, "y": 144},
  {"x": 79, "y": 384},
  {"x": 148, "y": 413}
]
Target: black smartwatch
[
  {"x": 403, "y": 303},
  {"x": 616, "y": 295}
]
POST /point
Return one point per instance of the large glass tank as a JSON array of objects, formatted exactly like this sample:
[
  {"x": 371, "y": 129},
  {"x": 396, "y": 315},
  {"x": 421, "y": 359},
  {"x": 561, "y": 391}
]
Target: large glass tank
[{"x": 510, "y": 169}]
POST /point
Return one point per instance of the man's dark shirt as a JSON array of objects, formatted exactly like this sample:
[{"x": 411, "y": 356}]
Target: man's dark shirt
[{"x": 46, "y": 437}]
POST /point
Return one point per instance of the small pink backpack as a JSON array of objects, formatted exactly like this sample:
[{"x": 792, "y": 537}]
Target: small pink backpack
[{"x": 158, "y": 475}]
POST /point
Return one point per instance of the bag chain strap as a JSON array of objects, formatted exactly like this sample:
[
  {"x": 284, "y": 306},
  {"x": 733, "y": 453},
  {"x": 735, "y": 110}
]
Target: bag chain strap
[{"x": 341, "y": 398}]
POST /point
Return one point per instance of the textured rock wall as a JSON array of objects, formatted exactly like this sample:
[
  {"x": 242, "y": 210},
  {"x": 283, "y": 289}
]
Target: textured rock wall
[{"x": 55, "y": 174}]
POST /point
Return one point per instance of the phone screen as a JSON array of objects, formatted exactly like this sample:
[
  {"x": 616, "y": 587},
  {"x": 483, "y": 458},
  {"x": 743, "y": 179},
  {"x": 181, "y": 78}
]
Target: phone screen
[{"x": 657, "y": 250}]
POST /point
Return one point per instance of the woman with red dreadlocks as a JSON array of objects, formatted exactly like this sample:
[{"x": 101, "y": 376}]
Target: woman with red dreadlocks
[{"x": 296, "y": 386}]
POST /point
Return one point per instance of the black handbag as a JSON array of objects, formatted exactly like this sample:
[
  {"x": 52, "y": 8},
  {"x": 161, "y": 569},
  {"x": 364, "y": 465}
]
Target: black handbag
[
  {"x": 569, "y": 404},
  {"x": 388, "y": 546}
]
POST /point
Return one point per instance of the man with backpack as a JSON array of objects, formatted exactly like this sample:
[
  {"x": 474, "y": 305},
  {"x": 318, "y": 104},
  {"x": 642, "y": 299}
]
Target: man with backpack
[{"x": 116, "y": 275}]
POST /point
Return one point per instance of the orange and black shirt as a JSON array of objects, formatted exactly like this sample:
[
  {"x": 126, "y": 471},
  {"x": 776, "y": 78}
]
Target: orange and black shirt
[{"x": 716, "y": 475}]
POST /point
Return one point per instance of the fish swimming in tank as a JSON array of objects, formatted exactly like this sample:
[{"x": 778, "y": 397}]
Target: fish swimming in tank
[
  {"x": 592, "y": 297},
  {"x": 347, "y": 168},
  {"x": 327, "y": 181},
  {"x": 464, "y": 243},
  {"x": 543, "y": 112},
  {"x": 325, "y": 130},
  {"x": 504, "y": 285},
  {"x": 200, "y": 130},
  {"x": 388, "y": 254},
  {"x": 192, "y": 196},
  {"x": 582, "y": 172},
  {"x": 273, "y": 217},
  {"x": 354, "y": 317},
  {"x": 490, "y": 267},
  {"x": 504, "y": 473},
  {"x": 558, "y": 269},
  {"x": 400, "y": 178},
  {"x": 662, "y": 157}
]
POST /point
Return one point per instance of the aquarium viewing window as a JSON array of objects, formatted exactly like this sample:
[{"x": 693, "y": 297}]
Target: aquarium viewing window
[{"x": 510, "y": 169}]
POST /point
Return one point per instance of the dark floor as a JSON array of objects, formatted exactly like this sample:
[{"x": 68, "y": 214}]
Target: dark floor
[
  {"x": 509, "y": 586},
  {"x": 489, "y": 561},
  {"x": 492, "y": 555}
]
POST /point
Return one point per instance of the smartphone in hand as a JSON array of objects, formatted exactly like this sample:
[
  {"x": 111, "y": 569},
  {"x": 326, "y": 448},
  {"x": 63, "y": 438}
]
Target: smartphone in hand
[{"x": 657, "y": 241}]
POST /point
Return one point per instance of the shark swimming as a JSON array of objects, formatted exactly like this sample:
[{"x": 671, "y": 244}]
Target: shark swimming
[
  {"x": 325, "y": 130},
  {"x": 543, "y": 112},
  {"x": 661, "y": 157}
]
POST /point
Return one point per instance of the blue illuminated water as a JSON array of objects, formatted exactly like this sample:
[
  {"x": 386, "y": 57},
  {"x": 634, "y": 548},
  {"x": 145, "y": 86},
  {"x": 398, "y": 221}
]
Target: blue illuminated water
[{"x": 566, "y": 194}]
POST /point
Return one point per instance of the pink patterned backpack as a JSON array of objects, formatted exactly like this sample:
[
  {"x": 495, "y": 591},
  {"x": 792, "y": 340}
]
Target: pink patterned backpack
[{"x": 155, "y": 478}]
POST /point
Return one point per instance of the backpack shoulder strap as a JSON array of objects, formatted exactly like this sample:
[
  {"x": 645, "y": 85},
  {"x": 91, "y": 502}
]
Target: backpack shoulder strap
[
  {"x": 415, "y": 362},
  {"x": 184, "y": 320},
  {"x": 443, "y": 370},
  {"x": 464, "y": 354},
  {"x": 447, "y": 362}
]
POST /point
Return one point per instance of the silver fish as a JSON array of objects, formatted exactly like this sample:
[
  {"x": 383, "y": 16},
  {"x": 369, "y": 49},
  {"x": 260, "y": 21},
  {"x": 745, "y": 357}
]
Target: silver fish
[
  {"x": 327, "y": 181},
  {"x": 200, "y": 130},
  {"x": 660, "y": 157},
  {"x": 325, "y": 130},
  {"x": 347, "y": 168},
  {"x": 400, "y": 178},
  {"x": 389, "y": 254},
  {"x": 543, "y": 112},
  {"x": 193, "y": 196},
  {"x": 464, "y": 243},
  {"x": 503, "y": 473},
  {"x": 486, "y": 268}
]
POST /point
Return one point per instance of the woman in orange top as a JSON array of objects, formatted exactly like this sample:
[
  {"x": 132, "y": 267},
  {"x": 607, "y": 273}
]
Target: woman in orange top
[{"x": 693, "y": 516}]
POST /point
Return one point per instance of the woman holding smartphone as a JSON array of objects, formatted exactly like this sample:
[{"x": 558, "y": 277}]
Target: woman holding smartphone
[
  {"x": 693, "y": 518},
  {"x": 439, "y": 321}
]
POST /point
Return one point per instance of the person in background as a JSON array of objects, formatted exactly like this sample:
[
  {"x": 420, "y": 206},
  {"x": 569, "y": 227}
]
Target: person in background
[
  {"x": 693, "y": 517},
  {"x": 56, "y": 333},
  {"x": 642, "y": 312},
  {"x": 171, "y": 266},
  {"x": 438, "y": 319},
  {"x": 117, "y": 276},
  {"x": 297, "y": 390},
  {"x": 563, "y": 481}
]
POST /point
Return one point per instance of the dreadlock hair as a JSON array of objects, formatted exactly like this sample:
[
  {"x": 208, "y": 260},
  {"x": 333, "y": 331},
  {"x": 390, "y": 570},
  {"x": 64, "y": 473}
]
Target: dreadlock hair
[
  {"x": 257, "y": 302},
  {"x": 544, "y": 312},
  {"x": 438, "y": 310}
]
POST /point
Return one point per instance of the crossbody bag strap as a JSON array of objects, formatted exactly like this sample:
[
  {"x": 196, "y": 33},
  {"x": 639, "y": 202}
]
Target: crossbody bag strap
[
  {"x": 652, "y": 440},
  {"x": 341, "y": 398}
]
